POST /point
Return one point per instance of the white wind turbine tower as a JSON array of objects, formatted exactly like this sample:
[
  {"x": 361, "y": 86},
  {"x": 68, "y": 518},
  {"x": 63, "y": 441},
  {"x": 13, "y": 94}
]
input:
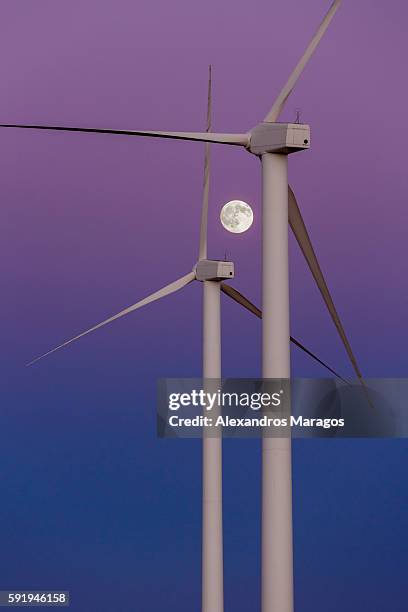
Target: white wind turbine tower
[
  {"x": 272, "y": 142},
  {"x": 211, "y": 273}
]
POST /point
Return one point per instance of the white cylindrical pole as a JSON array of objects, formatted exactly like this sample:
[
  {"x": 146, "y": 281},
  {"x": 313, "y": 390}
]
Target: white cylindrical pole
[
  {"x": 277, "y": 546},
  {"x": 212, "y": 546}
]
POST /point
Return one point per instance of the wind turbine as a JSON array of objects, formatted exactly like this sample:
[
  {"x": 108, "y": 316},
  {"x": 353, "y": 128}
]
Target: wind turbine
[
  {"x": 272, "y": 142},
  {"x": 210, "y": 273}
]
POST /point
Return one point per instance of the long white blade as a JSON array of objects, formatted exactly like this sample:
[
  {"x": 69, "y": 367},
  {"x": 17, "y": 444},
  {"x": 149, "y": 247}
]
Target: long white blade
[
  {"x": 202, "y": 254},
  {"x": 231, "y": 139},
  {"x": 280, "y": 101},
  {"x": 243, "y": 301},
  {"x": 167, "y": 290},
  {"x": 301, "y": 234}
]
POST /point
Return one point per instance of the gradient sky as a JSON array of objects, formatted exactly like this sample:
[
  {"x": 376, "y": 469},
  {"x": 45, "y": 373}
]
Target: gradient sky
[{"x": 92, "y": 501}]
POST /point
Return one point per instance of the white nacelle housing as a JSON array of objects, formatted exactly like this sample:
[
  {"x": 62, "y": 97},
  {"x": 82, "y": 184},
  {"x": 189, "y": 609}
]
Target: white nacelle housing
[
  {"x": 209, "y": 269},
  {"x": 279, "y": 138}
]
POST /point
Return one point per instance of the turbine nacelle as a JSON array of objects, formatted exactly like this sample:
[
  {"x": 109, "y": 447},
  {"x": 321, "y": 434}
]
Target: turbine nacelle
[
  {"x": 283, "y": 138},
  {"x": 214, "y": 270}
]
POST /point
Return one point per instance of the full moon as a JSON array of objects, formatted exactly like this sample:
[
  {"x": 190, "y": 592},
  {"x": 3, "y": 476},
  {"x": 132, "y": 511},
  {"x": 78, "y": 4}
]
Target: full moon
[{"x": 236, "y": 216}]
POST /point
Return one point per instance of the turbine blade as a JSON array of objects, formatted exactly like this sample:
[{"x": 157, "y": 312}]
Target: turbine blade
[
  {"x": 280, "y": 101},
  {"x": 231, "y": 139},
  {"x": 167, "y": 290},
  {"x": 299, "y": 229},
  {"x": 206, "y": 185},
  {"x": 243, "y": 301}
]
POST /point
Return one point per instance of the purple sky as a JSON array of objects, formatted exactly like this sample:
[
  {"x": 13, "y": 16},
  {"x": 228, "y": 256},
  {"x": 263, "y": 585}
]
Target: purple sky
[{"x": 89, "y": 221}]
